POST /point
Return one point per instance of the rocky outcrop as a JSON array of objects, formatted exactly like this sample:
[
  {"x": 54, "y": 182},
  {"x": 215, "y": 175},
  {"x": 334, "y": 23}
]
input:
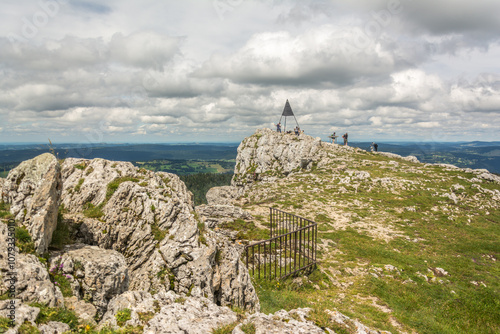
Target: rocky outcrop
[
  {"x": 54, "y": 327},
  {"x": 190, "y": 316},
  {"x": 85, "y": 311},
  {"x": 33, "y": 190},
  {"x": 268, "y": 153},
  {"x": 23, "y": 313},
  {"x": 33, "y": 280},
  {"x": 409, "y": 158},
  {"x": 224, "y": 195},
  {"x": 282, "y": 322},
  {"x": 168, "y": 313},
  {"x": 212, "y": 215},
  {"x": 149, "y": 218},
  {"x": 100, "y": 274}
]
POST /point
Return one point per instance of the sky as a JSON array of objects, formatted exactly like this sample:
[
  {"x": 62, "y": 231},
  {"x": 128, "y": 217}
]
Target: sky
[{"x": 88, "y": 71}]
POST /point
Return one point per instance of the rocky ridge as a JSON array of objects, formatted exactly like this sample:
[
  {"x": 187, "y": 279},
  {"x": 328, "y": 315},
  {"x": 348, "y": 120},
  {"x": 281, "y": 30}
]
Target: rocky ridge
[{"x": 375, "y": 200}]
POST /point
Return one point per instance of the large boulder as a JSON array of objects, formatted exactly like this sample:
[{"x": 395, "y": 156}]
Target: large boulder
[
  {"x": 33, "y": 190},
  {"x": 100, "y": 273},
  {"x": 33, "y": 281}
]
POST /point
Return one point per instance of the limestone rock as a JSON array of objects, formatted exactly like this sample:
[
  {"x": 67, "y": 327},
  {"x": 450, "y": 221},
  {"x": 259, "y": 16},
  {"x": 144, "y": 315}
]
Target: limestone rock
[
  {"x": 348, "y": 323},
  {"x": 23, "y": 312},
  {"x": 268, "y": 152},
  {"x": 33, "y": 281},
  {"x": 216, "y": 214},
  {"x": 85, "y": 311},
  {"x": 54, "y": 327},
  {"x": 33, "y": 189},
  {"x": 191, "y": 316},
  {"x": 149, "y": 218},
  {"x": 142, "y": 305},
  {"x": 231, "y": 280},
  {"x": 101, "y": 273},
  {"x": 282, "y": 322},
  {"x": 409, "y": 158},
  {"x": 224, "y": 195}
]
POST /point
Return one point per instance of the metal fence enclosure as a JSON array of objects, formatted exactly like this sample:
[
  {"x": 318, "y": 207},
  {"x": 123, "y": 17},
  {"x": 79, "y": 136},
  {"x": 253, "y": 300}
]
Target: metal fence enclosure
[{"x": 290, "y": 249}]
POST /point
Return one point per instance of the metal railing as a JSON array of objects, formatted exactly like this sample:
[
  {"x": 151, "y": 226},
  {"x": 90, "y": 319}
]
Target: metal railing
[{"x": 290, "y": 249}]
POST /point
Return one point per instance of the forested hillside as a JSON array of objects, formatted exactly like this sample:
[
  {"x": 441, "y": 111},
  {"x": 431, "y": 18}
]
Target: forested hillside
[{"x": 199, "y": 184}]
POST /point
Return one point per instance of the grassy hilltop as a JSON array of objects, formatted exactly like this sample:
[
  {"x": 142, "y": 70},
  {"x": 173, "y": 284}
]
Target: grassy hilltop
[{"x": 404, "y": 246}]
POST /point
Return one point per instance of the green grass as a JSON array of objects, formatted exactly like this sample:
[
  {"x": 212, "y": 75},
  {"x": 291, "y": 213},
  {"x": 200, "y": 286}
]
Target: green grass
[
  {"x": 246, "y": 230},
  {"x": 56, "y": 314},
  {"x": 5, "y": 210},
  {"x": 91, "y": 211},
  {"x": 123, "y": 316},
  {"x": 113, "y": 185}
]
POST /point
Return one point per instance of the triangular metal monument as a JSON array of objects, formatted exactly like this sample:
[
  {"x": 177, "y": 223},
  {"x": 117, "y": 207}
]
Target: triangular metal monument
[{"x": 287, "y": 112}]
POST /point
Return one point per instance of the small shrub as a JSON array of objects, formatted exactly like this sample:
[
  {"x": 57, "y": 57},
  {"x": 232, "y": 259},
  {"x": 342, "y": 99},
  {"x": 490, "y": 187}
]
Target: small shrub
[
  {"x": 123, "y": 316},
  {"x": 24, "y": 241},
  {"x": 91, "y": 211},
  {"x": 158, "y": 234},
  {"x": 60, "y": 279},
  {"x": 80, "y": 166}
]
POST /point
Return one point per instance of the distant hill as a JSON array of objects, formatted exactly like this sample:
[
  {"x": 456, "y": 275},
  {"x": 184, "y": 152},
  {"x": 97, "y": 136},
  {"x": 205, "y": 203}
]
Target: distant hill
[{"x": 476, "y": 155}]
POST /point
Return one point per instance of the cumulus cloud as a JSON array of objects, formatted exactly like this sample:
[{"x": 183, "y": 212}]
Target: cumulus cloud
[{"x": 395, "y": 69}]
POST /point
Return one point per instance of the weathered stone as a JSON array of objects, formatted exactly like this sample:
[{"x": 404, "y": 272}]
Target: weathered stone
[
  {"x": 224, "y": 195},
  {"x": 213, "y": 215},
  {"x": 33, "y": 189},
  {"x": 33, "y": 281},
  {"x": 231, "y": 281},
  {"x": 191, "y": 315},
  {"x": 282, "y": 322},
  {"x": 409, "y": 158},
  {"x": 142, "y": 305},
  {"x": 23, "y": 313},
  {"x": 54, "y": 327},
  {"x": 149, "y": 218},
  {"x": 268, "y": 152},
  {"x": 101, "y": 273},
  {"x": 84, "y": 310}
]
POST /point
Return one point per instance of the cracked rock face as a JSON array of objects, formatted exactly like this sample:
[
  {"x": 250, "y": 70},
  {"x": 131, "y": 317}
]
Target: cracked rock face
[
  {"x": 33, "y": 190},
  {"x": 149, "y": 218},
  {"x": 33, "y": 282},
  {"x": 100, "y": 273},
  {"x": 168, "y": 313}
]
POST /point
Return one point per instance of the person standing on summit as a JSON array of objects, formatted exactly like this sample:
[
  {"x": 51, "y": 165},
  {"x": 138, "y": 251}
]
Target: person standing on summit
[{"x": 345, "y": 138}]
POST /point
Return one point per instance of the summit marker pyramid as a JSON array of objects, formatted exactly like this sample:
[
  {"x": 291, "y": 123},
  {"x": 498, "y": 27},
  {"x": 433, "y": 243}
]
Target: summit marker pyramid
[{"x": 287, "y": 112}]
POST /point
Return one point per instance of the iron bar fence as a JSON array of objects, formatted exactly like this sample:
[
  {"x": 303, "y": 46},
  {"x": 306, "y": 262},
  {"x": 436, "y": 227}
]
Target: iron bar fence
[{"x": 291, "y": 248}]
